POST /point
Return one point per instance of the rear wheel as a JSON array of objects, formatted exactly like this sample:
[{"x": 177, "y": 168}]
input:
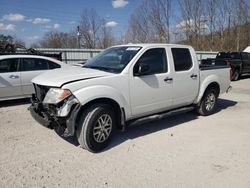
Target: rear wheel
[
  {"x": 208, "y": 102},
  {"x": 96, "y": 127},
  {"x": 236, "y": 75}
]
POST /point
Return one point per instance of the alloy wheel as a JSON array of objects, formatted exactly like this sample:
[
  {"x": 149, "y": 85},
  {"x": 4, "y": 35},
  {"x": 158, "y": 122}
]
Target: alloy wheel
[
  {"x": 103, "y": 128},
  {"x": 210, "y": 101}
]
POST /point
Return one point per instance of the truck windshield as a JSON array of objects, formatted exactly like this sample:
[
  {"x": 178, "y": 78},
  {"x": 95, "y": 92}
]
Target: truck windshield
[{"x": 113, "y": 59}]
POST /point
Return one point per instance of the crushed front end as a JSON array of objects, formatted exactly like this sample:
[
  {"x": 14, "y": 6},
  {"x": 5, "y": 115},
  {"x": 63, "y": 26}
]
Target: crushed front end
[{"x": 55, "y": 107}]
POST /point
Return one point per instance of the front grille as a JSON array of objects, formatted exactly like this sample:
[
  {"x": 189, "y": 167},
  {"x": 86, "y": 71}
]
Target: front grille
[{"x": 41, "y": 91}]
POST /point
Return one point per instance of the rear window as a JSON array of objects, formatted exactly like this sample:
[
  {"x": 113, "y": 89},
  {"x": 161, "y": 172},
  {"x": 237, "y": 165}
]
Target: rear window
[
  {"x": 53, "y": 65},
  {"x": 235, "y": 55},
  {"x": 182, "y": 59},
  {"x": 33, "y": 64}
]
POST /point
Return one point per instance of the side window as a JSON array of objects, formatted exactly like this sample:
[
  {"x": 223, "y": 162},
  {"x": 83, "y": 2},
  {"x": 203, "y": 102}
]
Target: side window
[
  {"x": 8, "y": 65},
  {"x": 53, "y": 65},
  {"x": 155, "y": 59},
  {"x": 235, "y": 55},
  {"x": 182, "y": 59},
  {"x": 33, "y": 64},
  {"x": 245, "y": 56}
]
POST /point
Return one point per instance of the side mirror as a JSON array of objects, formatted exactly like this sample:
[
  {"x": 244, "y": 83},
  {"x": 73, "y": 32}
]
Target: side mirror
[{"x": 143, "y": 70}]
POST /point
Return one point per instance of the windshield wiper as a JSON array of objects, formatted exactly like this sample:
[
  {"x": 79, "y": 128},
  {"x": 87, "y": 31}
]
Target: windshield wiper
[{"x": 99, "y": 68}]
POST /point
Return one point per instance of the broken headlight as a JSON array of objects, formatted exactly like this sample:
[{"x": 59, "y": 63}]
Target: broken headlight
[{"x": 56, "y": 95}]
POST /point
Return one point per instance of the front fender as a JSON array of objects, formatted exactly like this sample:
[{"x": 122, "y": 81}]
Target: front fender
[
  {"x": 205, "y": 83},
  {"x": 91, "y": 93}
]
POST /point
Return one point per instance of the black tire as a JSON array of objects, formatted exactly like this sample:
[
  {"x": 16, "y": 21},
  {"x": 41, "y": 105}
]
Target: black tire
[
  {"x": 208, "y": 102},
  {"x": 90, "y": 133},
  {"x": 236, "y": 75}
]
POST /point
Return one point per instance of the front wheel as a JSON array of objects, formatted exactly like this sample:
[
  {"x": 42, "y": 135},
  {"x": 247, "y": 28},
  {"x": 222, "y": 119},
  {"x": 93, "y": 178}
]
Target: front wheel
[
  {"x": 208, "y": 102},
  {"x": 96, "y": 127}
]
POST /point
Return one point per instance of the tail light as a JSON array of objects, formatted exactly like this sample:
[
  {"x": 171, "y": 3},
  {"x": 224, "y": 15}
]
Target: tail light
[{"x": 231, "y": 71}]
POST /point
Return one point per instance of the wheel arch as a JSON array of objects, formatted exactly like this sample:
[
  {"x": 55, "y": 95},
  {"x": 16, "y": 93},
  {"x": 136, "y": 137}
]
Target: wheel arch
[
  {"x": 214, "y": 85},
  {"x": 119, "y": 111},
  {"x": 204, "y": 88}
]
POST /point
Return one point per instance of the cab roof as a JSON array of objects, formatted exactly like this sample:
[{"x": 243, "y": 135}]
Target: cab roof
[{"x": 153, "y": 45}]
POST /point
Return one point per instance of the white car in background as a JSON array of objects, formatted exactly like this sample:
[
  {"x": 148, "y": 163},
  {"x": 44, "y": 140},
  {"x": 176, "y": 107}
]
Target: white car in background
[{"x": 17, "y": 71}]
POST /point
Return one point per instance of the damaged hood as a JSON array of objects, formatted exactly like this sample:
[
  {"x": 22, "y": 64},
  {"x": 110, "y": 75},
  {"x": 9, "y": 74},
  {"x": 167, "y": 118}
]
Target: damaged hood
[{"x": 59, "y": 77}]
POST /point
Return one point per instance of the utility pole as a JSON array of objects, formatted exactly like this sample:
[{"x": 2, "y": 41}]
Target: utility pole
[{"x": 78, "y": 36}]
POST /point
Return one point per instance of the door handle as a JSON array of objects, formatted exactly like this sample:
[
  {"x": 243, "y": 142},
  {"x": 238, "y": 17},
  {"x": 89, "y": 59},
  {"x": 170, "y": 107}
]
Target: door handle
[
  {"x": 13, "y": 76},
  {"x": 168, "y": 79},
  {"x": 194, "y": 76}
]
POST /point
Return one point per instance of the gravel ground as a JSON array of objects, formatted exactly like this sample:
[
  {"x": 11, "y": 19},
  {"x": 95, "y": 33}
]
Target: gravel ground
[{"x": 181, "y": 151}]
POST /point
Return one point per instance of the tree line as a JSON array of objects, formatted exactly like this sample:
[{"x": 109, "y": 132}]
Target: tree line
[
  {"x": 212, "y": 25},
  {"x": 215, "y": 24}
]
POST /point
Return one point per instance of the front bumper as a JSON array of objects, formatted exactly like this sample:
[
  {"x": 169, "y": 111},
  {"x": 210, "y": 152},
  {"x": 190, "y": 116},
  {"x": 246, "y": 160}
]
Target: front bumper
[
  {"x": 42, "y": 119},
  {"x": 47, "y": 116}
]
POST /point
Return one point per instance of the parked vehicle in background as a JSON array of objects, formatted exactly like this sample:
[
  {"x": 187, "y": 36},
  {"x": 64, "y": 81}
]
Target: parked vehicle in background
[
  {"x": 126, "y": 84},
  {"x": 247, "y": 49},
  {"x": 17, "y": 71},
  {"x": 238, "y": 61}
]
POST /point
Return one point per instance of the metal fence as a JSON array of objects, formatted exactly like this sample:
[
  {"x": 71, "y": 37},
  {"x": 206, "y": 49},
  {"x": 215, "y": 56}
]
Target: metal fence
[
  {"x": 71, "y": 56},
  {"x": 205, "y": 54}
]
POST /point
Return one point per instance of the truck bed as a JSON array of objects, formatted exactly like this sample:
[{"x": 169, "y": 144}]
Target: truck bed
[{"x": 222, "y": 73}]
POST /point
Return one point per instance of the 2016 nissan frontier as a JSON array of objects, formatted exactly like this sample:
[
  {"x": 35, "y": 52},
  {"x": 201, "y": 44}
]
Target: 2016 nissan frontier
[{"x": 122, "y": 85}]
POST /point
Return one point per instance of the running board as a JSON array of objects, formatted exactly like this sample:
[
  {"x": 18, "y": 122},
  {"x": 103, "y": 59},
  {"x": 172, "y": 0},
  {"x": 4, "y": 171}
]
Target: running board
[{"x": 161, "y": 115}]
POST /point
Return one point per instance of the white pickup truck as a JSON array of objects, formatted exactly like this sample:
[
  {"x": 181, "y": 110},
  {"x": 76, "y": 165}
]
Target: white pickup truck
[{"x": 123, "y": 85}]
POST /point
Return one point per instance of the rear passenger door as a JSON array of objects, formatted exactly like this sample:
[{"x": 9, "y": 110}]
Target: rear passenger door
[
  {"x": 30, "y": 68},
  {"x": 186, "y": 77},
  {"x": 10, "y": 82}
]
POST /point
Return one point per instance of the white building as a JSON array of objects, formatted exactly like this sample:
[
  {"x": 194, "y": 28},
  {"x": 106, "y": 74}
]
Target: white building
[{"x": 247, "y": 49}]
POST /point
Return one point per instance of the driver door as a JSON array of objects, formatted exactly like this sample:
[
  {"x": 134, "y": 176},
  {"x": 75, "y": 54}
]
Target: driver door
[{"x": 151, "y": 91}]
